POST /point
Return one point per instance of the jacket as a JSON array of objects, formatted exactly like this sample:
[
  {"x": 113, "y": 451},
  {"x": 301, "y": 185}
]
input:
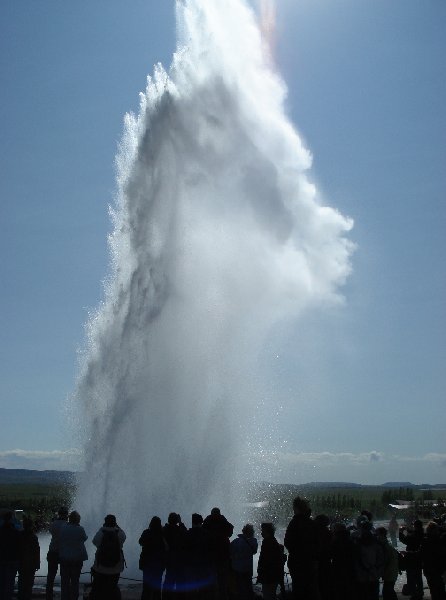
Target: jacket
[
  {"x": 243, "y": 549},
  {"x": 369, "y": 558},
  {"x": 54, "y": 529},
  {"x": 301, "y": 540},
  {"x": 271, "y": 562},
  {"x": 390, "y": 568},
  {"x": 29, "y": 551},
  {"x": 154, "y": 550},
  {"x": 71, "y": 543}
]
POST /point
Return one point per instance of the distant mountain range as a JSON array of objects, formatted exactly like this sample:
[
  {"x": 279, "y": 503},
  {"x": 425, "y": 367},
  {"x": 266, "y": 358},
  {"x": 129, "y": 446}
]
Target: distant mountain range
[
  {"x": 23, "y": 476},
  {"x": 28, "y": 476}
]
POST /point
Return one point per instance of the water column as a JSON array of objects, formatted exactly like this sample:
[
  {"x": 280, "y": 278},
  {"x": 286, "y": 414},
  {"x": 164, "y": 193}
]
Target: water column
[{"x": 218, "y": 233}]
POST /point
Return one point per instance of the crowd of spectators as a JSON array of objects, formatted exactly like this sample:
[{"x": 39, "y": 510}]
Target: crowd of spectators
[{"x": 325, "y": 561}]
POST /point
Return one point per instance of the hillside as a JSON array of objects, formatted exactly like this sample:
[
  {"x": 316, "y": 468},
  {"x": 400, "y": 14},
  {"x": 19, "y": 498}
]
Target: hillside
[{"x": 27, "y": 476}]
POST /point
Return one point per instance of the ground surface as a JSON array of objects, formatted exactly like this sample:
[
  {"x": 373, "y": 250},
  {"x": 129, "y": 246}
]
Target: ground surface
[{"x": 132, "y": 590}]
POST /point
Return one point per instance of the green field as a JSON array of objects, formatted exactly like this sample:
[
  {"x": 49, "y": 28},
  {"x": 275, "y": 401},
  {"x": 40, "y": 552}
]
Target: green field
[
  {"x": 36, "y": 500},
  {"x": 43, "y": 500},
  {"x": 342, "y": 502}
]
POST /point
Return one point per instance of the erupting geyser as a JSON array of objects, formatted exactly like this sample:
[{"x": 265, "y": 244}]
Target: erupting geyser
[{"x": 218, "y": 233}]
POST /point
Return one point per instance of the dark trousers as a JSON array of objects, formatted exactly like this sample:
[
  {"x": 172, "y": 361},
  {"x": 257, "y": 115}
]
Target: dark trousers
[
  {"x": 8, "y": 571},
  {"x": 343, "y": 586},
  {"x": 436, "y": 586},
  {"x": 70, "y": 571},
  {"x": 415, "y": 581},
  {"x": 243, "y": 582},
  {"x": 105, "y": 587},
  {"x": 53, "y": 566},
  {"x": 368, "y": 590},
  {"x": 304, "y": 579},
  {"x": 151, "y": 587},
  {"x": 389, "y": 591},
  {"x": 222, "y": 573},
  {"x": 25, "y": 584}
]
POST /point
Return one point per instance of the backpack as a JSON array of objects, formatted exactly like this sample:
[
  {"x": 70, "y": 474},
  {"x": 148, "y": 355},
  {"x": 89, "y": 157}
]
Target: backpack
[{"x": 109, "y": 552}]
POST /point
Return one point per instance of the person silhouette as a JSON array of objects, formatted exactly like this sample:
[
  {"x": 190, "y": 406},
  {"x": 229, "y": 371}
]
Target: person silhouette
[
  {"x": 52, "y": 556},
  {"x": 153, "y": 559},
  {"x": 72, "y": 553}
]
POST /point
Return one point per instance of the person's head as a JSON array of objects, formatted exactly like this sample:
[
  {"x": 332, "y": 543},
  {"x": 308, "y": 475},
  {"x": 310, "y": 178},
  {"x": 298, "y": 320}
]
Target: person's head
[
  {"x": 368, "y": 514},
  {"x": 197, "y": 520},
  {"x": 381, "y": 533},
  {"x": 62, "y": 513},
  {"x": 268, "y": 530},
  {"x": 215, "y": 511},
  {"x": 110, "y": 521},
  {"x": 322, "y": 521},
  {"x": 74, "y": 517},
  {"x": 172, "y": 519},
  {"x": 248, "y": 530},
  {"x": 155, "y": 524},
  {"x": 301, "y": 506},
  {"x": 418, "y": 525},
  {"x": 362, "y": 521}
]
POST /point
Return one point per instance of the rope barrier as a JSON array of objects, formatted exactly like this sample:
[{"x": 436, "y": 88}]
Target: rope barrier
[{"x": 286, "y": 574}]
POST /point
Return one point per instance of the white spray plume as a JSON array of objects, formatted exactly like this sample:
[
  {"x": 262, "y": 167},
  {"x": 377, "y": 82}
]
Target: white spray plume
[{"x": 218, "y": 233}]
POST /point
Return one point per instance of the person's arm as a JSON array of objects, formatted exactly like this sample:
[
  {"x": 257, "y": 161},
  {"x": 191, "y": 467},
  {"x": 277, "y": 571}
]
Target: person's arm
[
  {"x": 36, "y": 553},
  {"x": 97, "y": 538},
  {"x": 122, "y": 536},
  {"x": 288, "y": 541},
  {"x": 260, "y": 565}
]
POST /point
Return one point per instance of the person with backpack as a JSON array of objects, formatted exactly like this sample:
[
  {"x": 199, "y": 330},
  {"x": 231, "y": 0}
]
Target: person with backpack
[{"x": 109, "y": 560}]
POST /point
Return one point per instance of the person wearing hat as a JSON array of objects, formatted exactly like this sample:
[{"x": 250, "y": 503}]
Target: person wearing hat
[
  {"x": 109, "y": 560},
  {"x": 53, "y": 550}
]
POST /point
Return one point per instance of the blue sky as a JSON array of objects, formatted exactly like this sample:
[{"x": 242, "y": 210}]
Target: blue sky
[{"x": 363, "y": 386}]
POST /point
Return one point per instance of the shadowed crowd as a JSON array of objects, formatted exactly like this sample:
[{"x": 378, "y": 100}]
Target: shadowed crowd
[{"x": 325, "y": 561}]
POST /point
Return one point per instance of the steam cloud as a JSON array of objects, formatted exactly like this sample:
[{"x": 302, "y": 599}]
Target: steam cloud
[{"x": 218, "y": 233}]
